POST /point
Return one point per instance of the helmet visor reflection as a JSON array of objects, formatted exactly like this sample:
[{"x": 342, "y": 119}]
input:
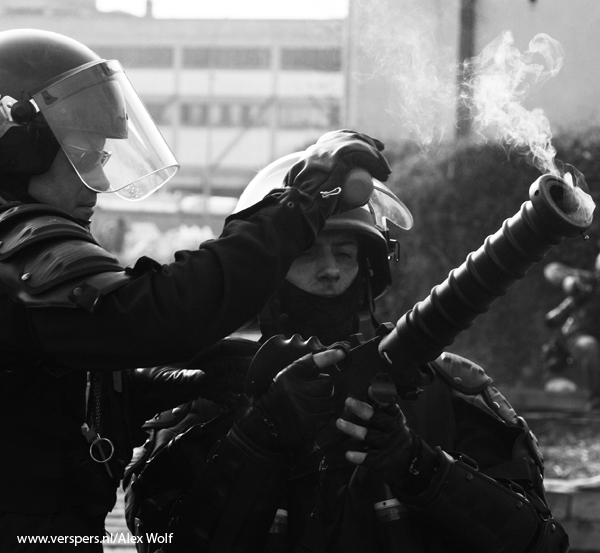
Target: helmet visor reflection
[{"x": 106, "y": 132}]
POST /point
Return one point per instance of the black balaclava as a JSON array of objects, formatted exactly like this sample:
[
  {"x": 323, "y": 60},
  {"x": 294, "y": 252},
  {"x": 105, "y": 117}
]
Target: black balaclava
[{"x": 331, "y": 319}]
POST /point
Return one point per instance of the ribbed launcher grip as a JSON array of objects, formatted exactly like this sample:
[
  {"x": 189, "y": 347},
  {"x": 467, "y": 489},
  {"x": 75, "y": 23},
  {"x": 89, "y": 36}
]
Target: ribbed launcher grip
[{"x": 556, "y": 210}]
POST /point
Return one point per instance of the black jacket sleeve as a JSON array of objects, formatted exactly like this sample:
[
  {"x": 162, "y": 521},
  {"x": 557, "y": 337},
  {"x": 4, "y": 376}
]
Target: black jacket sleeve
[{"x": 167, "y": 315}]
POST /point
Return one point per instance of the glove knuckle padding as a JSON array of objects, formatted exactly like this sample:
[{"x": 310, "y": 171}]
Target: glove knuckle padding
[{"x": 485, "y": 514}]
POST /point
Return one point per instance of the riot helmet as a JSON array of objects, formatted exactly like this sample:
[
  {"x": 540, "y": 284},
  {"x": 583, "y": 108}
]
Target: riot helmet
[
  {"x": 370, "y": 222},
  {"x": 56, "y": 93}
]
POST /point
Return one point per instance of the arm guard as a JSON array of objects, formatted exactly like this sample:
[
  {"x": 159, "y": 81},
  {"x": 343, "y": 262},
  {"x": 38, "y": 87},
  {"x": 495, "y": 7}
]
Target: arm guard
[
  {"x": 485, "y": 514},
  {"x": 503, "y": 507}
]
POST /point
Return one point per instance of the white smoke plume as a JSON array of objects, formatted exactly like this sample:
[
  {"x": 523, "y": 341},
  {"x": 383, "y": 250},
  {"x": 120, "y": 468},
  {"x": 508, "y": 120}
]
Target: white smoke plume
[
  {"x": 501, "y": 79},
  {"x": 403, "y": 37}
]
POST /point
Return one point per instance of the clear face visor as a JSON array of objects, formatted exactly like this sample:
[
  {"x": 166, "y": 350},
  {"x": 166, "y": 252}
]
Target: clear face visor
[
  {"x": 386, "y": 207},
  {"x": 383, "y": 204},
  {"x": 106, "y": 132}
]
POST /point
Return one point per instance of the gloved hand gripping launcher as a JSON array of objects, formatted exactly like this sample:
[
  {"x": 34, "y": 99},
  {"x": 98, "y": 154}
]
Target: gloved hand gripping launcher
[{"x": 393, "y": 363}]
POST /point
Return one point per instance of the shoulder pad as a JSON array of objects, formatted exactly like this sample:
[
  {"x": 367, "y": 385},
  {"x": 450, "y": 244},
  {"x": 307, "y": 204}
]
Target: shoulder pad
[
  {"x": 26, "y": 225},
  {"x": 501, "y": 407},
  {"x": 462, "y": 374},
  {"x": 469, "y": 381},
  {"x": 49, "y": 260}
]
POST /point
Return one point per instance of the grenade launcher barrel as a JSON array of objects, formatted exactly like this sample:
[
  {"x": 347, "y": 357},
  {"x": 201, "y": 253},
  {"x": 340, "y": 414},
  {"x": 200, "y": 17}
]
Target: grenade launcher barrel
[{"x": 556, "y": 210}]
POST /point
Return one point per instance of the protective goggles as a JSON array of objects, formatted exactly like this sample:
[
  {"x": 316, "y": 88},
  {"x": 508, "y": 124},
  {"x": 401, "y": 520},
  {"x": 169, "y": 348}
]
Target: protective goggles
[{"x": 84, "y": 159}]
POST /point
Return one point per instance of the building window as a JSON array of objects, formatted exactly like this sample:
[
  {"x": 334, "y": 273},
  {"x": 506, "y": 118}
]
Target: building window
[
  {"x": 300, "y": 115},
  {"x": 254, "y": 115},
  {"x": 194, "y": 114},
  {"x": 311, "y": 59},
  {"x": 196, "y": 58},
  {"x": 225, "y": 113},
  {"x": 226, "y": 58},
  {"x": 161, "y": 112},
  {"x": 215, "y": 115},
  {"x": 133, "y": 56}
]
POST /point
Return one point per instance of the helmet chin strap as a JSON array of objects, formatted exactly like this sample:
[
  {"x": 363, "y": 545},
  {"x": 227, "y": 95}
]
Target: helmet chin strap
[{"x": 368, "y": 322}]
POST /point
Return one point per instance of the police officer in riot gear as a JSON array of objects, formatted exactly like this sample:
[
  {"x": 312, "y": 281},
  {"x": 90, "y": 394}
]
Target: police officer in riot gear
[
  {"x": 336, "y": 305},
  {"x": 74, "y": 322},
  {"x": 455, "y": 470}
]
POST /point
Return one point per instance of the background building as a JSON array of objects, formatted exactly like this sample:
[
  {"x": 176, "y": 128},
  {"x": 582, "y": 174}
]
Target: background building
[
  {"x": 232, "y": 95},
  {"x": 229, "y": 96}
]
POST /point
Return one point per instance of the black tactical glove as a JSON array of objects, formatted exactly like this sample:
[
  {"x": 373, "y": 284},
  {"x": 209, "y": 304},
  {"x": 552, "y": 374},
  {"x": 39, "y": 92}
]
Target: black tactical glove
[
  {"x": 299, "y": 403},
  {"x": 390, "y": 443},
  {"x": 393, "y": 450},
  {"x": 326, "y": 164}
]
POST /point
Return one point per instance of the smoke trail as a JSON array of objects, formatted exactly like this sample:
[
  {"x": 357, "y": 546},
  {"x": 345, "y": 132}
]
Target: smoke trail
[
  {"x": 502, "y": 78},
  {"x": 401, "y": 36}
]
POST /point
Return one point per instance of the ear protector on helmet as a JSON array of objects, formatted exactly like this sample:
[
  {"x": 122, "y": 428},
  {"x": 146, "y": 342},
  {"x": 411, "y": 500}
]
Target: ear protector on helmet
[{"x": 23, "y": 112}]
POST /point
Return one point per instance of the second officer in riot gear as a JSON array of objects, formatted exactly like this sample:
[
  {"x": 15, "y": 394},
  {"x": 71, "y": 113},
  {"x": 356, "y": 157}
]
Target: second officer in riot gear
[{"x": 453, "y": 470}]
